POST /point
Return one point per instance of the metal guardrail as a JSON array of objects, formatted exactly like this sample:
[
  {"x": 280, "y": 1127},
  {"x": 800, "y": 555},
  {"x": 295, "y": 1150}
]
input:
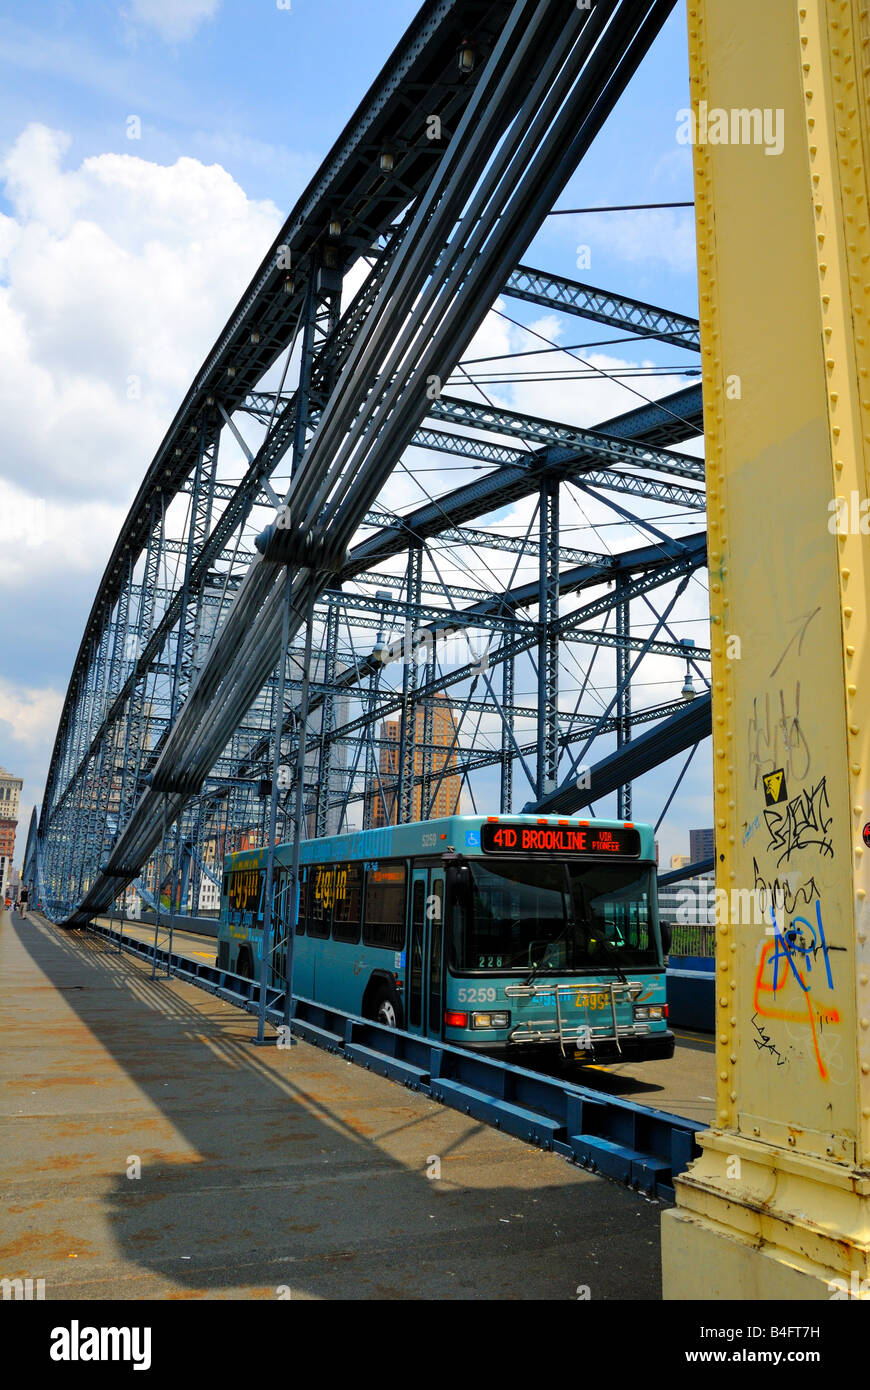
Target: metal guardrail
[
  {"x": 693, "y": 939},
  {"x": 630, "y": 1143}
]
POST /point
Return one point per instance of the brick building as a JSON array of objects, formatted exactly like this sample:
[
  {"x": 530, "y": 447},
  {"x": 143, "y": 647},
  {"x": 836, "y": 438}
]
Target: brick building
[
  {"x": 447, "y": 797},
  {"x": 10, "y": 791}
]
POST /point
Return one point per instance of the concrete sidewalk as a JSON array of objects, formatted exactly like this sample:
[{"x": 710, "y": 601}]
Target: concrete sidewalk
[{"x": 262, "y": 1169}]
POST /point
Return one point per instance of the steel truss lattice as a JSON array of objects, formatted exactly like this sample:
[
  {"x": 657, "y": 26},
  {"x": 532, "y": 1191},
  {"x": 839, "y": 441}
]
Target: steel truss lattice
[{"x": 453, "y": 655}]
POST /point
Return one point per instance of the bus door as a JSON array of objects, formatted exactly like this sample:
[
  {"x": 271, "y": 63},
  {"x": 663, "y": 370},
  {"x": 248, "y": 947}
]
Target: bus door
[
  {"x": 435, "y": 922},
  {"x": 281, "y": 923},
  {"x": 424, "y": 976},
  {"x": 303, "y": 955}
]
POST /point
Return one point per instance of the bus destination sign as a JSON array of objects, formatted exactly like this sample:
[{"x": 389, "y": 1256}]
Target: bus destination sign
[{"x": 502, "y": 837}]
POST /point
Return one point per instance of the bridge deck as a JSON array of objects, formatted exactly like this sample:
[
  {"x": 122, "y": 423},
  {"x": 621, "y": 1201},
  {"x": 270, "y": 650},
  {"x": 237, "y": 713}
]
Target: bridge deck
[
  {"x": 262, "y": 1167},
  {"x": 683, "y": 1085}
]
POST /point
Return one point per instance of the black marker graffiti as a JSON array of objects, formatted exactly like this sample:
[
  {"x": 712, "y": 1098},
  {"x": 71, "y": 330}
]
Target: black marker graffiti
[
  {"x": 801, "y": 824},
  {"x": 779, "y": 894},
  {"x": 764, "y": 1043}
]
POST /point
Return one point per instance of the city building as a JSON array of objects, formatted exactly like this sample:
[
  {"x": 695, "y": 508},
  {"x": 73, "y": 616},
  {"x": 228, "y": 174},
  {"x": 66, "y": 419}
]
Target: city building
[
  {"x": 688, "y": 903},
  {"x": 702, "y": 846},
  {"x": 445, "y": 789},
  {"x": 10, "y": 791},
  {"x": 679, "y": 861}
]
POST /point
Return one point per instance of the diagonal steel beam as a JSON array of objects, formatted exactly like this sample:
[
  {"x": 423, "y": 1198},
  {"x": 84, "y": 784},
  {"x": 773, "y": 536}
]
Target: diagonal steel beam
[{"x": 615, "y": 310}]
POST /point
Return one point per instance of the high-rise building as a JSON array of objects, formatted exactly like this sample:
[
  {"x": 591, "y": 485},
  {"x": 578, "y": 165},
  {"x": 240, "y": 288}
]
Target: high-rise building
[
  {"x": 10, "y": 791},
  {"x": 444, "y": 789},
  {"x": 702, "y": 845}
]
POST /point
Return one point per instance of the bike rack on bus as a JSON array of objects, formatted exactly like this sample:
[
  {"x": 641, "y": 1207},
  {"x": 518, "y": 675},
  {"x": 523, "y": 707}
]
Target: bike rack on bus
[
  {"x": 580, "y": 1035},
  {"x": 617, "y": 1138}
]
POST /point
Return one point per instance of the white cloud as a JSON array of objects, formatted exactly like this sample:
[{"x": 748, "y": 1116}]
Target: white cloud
[
  {"x": 32, "y": 713},
  {"x": 663, "y": 236},
  {"x": 61, "y": 538},
  {"x": 116, "y": 279},
  {"x": 173, "y": 20}
]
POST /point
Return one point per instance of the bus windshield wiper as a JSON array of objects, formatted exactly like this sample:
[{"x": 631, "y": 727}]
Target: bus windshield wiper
[
  {"x": 612, "y": 956},
  {"x": 556, "y": 939}
]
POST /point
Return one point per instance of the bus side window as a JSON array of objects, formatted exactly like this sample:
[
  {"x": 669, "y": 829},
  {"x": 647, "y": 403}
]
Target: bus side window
[
  {"x": 319, "y": 902},
  {"x": 348, "y": 903},
  {"x": 384, "y": 923}
]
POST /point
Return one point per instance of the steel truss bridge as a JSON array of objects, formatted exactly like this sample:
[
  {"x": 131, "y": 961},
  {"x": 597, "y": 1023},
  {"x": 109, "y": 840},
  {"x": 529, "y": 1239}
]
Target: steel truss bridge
[{"x": 267, "y": 586}]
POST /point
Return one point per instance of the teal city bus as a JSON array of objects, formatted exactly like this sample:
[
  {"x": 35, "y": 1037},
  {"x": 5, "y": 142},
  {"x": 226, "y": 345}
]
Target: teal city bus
[{"x": 505, "y": 934}]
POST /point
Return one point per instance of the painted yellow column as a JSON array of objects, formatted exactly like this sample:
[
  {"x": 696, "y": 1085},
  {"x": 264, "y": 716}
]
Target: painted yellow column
[{"x": 778, "y": 1205}]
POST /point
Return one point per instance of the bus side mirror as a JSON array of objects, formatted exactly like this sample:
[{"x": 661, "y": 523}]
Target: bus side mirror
[{"x": 665, "y": 929}]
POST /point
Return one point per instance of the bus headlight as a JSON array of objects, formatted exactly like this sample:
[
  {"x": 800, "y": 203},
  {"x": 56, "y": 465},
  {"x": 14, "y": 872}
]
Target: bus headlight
[
  {"x": 648, "y": 1011},
  {"x": 500, "y": 1020}
]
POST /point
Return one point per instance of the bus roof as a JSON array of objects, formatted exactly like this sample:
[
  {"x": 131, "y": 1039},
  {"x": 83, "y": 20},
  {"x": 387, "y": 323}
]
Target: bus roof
[{"x": 449, "y": 833}]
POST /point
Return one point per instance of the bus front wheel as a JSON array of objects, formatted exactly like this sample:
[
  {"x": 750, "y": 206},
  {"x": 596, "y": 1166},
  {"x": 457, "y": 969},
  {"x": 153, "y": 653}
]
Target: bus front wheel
[
  {"x": 243, "y": 965},
  {"x": 387, "y": 1009}
]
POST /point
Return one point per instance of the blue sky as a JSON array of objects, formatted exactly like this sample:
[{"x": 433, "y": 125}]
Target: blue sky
[{"x": 115, "y": 258}]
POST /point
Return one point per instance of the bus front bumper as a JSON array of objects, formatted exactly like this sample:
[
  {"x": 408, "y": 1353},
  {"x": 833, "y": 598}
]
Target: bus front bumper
[{"x": 643, "y": 1047}]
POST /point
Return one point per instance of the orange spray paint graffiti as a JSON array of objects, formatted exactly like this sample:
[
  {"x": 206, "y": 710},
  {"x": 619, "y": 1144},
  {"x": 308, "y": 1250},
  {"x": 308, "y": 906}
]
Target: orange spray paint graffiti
[{"x": 787, "y": 948}]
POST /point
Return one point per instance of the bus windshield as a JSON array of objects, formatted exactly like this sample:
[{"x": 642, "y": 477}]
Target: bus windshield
[{"x": 553, "y": 917}]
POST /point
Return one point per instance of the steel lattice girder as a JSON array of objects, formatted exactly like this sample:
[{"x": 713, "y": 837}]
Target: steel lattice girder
[
  {"x": 650, "y": 577},
  {"x": 618, "y": 311},
  {"x": 349, "y": 185},
  {"x": 578, "y": 442},
  {"x": 532, "y": 180},
  {"x": 475, "y": 760},
  {"x": 625, "y": 50},
  {"x": 655, "y": 564},
  {"x": 675, "y": 418},
  {"x": 687, "y": 726}
]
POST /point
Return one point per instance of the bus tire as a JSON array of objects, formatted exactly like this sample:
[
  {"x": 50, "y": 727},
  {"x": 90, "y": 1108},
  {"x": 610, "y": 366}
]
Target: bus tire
[
  {"x": 243, "y": 964},
  {"x": 387, "y": 1007}
]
